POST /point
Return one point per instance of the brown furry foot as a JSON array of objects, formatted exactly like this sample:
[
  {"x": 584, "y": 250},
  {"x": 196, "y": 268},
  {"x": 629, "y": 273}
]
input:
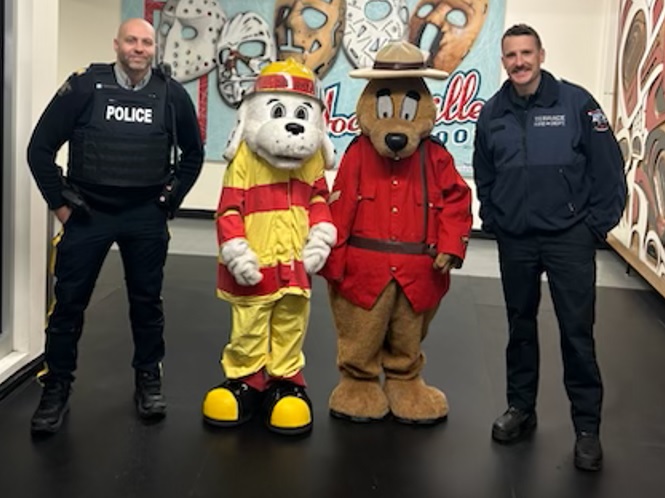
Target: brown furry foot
[
  {"x": 414, "y": 402},
  {"x": 358, "y": 400}
]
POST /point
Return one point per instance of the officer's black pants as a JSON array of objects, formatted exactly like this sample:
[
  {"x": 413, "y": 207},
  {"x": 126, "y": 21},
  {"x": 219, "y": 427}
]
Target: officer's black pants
[
  {"x": 568, "y": 259},
  {"x": 142, "y": 237}
]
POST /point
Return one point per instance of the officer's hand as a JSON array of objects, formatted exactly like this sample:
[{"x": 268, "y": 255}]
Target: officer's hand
[
  {"x": 63, "y": 213},
  {"x": 445, "y": 262},
  {"x": 167, "y": 198}
]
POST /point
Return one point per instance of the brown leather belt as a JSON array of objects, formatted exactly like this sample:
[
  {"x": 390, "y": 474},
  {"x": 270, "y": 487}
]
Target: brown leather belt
[{"x": 392, "y": 246}]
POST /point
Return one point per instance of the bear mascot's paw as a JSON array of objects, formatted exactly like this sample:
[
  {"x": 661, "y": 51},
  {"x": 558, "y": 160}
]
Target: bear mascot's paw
[
  {"x": 358, "y": 400},
  {"x": 414, "y": 402},
  {"x": 231, "y": 403},
  {"x": 288, "y": 409}
]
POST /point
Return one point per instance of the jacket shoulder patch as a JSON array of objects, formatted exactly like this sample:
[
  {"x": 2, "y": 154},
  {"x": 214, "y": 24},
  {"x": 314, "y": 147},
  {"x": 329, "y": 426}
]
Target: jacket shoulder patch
[{"x": 598, "y": 120}]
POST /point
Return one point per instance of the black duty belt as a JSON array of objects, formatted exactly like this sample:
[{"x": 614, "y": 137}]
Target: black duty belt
[{"x": 392, "y": 246}]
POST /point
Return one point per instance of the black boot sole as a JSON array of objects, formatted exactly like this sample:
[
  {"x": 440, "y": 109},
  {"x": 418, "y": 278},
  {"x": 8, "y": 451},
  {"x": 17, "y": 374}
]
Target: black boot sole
[
  {"x": 357, "y": 420},
  {"x": 47, "y": 429},
  {"x": 421, "y": 422},
  {"x": 148, "y": 415},
  {"x": 588, "y": 465},
  {"x": 226, "y": 423},
  {"x": 517, "y": 435}
]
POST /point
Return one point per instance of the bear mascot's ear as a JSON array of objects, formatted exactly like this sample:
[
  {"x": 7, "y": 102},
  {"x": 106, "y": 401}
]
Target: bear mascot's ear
[{"x": 237, "y": 134}]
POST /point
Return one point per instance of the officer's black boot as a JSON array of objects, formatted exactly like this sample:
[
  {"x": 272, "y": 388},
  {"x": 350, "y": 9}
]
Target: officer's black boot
[
  {"x": 148, "y": 396},
  {"x": 52, "y": 407}
]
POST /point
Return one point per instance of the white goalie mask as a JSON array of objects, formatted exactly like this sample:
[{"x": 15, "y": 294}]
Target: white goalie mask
[
  {"x": 245, "y": 46},
  {"x": 370, "y": 24},
  {"x": 187, "y": 35}
]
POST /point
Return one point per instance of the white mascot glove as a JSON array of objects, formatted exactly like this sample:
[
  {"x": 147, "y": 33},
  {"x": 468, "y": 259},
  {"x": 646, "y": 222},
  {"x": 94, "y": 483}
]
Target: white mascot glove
[
  {"x": 241, "y": 261},
  {"x": 320, "y": 240}
]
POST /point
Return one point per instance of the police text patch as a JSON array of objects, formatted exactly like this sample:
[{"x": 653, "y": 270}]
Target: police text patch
[
  {"x": 549, "y": 120},
  {"x": 128, "y": 114}
]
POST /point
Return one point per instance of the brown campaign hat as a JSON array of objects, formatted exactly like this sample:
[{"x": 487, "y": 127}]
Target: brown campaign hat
[{"x": 399, "y": 59}]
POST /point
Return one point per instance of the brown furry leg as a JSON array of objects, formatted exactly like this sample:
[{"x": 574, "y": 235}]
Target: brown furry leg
[
  {"x": 411, "y": 400},
  {"x": 360, "y": 337}
]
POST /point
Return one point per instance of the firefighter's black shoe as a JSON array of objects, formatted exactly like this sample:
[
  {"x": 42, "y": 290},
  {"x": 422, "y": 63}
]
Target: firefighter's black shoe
[
  {"x": 148, "y": 396},
  {"x": 52, "y": 408},
  {"x": 232, "y": 403},
  {"x": 288, "y": 409}
]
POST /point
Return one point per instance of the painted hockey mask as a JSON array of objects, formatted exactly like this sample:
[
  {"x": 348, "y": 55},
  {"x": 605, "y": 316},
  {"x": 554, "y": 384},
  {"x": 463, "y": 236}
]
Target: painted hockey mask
[
  {"x": 310, "y": 31},
  {"x": 245, "y": 47},
  {"x": 370, "y": 24},
  {"x": 187, "y": 35},
  {"x": 446, "y": 29}
]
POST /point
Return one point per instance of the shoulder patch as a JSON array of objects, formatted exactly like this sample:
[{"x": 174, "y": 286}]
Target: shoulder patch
[
  {"x": 65, "y": 88},
  {"x": 598, "y": 120}
]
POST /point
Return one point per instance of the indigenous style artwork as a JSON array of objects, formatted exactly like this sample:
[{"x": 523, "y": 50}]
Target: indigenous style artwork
[
  {"x": 218, "y": 47},
  {"x": 640, "y": 129}
]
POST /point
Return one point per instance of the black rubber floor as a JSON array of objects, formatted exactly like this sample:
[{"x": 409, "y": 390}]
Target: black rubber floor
[{"x": 104, "y": 451}]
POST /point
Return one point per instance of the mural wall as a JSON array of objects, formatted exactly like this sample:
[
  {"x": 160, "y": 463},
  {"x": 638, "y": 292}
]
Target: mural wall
[
  {"x": 640, "y": 129},
  {"x": 217, "y": 47}
]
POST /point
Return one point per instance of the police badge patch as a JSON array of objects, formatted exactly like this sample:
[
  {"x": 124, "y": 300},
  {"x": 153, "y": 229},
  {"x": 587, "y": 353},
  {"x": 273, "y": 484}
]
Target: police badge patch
[{"x": 599, "y": 120}]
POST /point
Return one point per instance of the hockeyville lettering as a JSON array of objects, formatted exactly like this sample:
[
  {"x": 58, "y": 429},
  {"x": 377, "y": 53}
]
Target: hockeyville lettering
[
  {"x": 459, "y": 104},
  {"x": 128, "y": 114}
]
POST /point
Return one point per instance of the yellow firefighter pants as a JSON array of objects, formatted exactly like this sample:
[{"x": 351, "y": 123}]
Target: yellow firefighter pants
[{"x": 269, "y": 335}]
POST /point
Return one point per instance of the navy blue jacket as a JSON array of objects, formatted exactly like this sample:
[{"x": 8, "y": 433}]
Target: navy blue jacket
[{"x": 545, "y": 163}]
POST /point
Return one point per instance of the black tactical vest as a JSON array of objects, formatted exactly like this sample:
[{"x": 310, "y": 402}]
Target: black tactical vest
[{"x": 126, "y": 142}]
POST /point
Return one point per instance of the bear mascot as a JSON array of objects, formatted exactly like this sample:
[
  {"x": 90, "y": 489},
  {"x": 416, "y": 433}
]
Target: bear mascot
[
  {"x": 403, "y": 218},
  {"x": 274, "y": 231}
]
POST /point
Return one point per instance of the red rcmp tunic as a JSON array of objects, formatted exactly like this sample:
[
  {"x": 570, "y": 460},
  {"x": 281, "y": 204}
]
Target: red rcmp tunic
[{"x": 380, "y": 198}]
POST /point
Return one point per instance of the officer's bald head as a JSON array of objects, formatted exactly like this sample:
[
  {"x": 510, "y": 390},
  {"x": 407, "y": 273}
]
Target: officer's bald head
[
  {"x": 135, "y": 24},
  {"x": 135, "y": 47}
]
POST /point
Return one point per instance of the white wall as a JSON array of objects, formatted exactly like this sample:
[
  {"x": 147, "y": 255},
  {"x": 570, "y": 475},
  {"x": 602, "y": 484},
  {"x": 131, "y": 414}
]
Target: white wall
[
  {"x": 87, "y": 29},
  {"x": 579, "y": 37},
  {"x": 30, "y": 79}
]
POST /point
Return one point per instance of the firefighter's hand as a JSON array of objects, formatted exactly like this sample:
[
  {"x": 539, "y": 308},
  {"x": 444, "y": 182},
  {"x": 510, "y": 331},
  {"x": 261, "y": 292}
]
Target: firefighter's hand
[{"x": 445, "y": 262}]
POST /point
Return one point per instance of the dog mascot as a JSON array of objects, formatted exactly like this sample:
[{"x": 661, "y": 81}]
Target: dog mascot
[
  {"x": 274, "y": 231},
  {"x": 403, "y": 217}
]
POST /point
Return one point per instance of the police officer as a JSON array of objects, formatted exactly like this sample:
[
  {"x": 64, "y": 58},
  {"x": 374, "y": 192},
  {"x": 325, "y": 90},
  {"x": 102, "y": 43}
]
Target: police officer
[
  {"x": 549, "y": 176},
  {"x": 121, "y": 186}
]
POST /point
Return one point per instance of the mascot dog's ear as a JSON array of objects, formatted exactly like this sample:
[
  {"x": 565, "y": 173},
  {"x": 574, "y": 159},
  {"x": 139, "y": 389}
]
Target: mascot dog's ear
[
  {"x": 237, "y": 134},
  {"x": 328, "y": 149}
]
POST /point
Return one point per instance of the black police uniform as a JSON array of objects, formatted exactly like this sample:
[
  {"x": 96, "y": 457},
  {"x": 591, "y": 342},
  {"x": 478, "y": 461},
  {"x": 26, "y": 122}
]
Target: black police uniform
[
  {"x": 549, "y": 176},
  {"x": 120, "y": 161}
]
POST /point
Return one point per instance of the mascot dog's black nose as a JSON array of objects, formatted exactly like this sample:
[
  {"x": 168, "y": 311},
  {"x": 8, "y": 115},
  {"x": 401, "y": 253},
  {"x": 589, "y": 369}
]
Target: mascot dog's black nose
[
  {"x": 295, "y": 128},
  {"x": 396, "y": 141}
]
